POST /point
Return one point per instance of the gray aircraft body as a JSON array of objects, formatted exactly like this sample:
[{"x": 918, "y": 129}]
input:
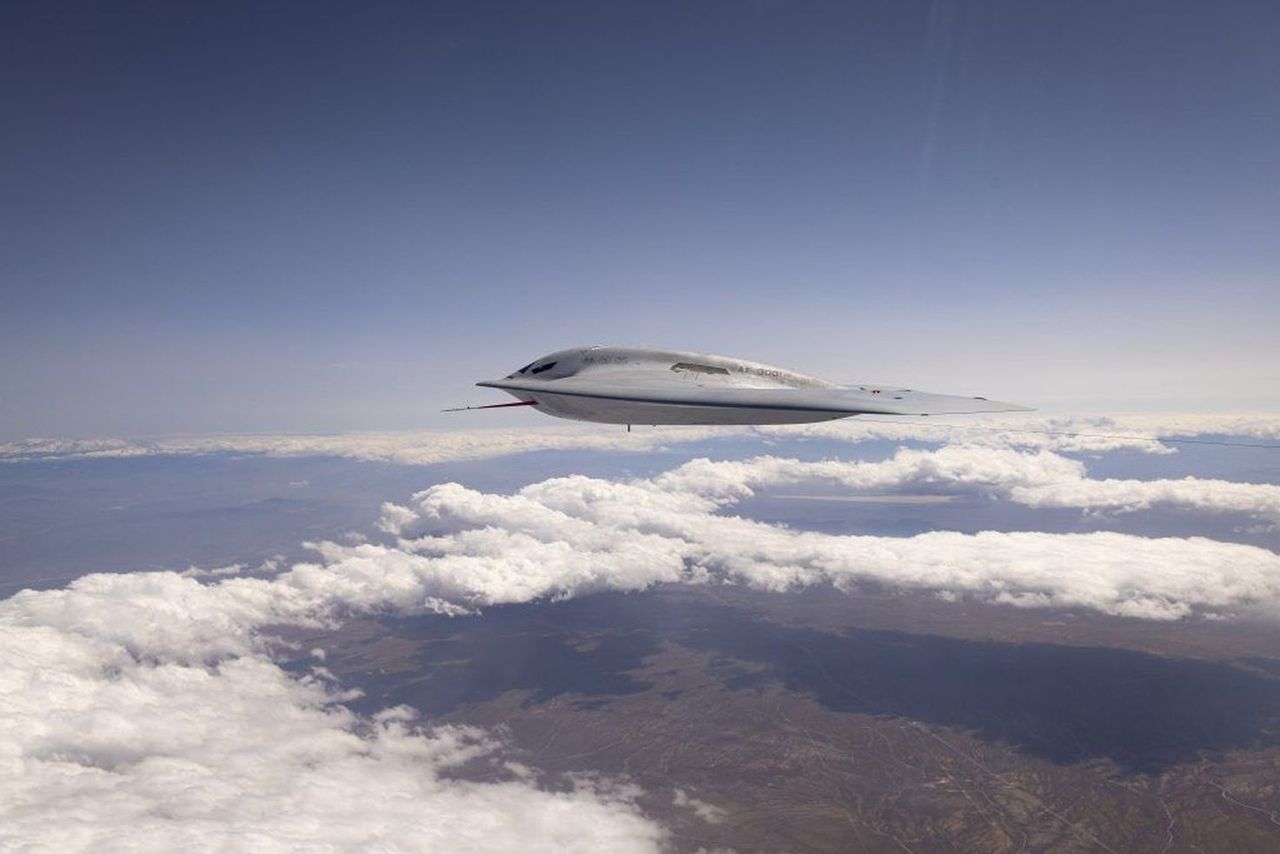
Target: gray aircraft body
[{"x": 629, "y": 385}]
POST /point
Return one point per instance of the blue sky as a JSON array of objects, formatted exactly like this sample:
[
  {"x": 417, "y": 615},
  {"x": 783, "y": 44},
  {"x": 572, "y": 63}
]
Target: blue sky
[{"x": 337, "y": 216}]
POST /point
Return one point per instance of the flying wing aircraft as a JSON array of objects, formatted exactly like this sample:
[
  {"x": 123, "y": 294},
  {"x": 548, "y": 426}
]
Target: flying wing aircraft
[{"x": 626, "y": 385}]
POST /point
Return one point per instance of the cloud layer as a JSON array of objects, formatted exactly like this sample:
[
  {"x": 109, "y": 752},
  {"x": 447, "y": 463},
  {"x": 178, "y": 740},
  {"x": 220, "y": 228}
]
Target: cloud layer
[
  {"x": 143, "y": 712},
  {"x": 1034, "y": 479},
  {"x": 576, "y": 534},
  {"x": 1095, "y": 434},
  {"x": 405, "y": 448},
  {"x": 146, "y": 710}
]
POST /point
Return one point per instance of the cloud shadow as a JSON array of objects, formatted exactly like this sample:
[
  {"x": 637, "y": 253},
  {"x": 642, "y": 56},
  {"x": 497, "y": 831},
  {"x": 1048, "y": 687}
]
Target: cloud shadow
[{"x": 1065, "y": 704}]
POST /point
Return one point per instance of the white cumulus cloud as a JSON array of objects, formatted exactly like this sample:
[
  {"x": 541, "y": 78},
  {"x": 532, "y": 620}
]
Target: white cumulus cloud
[
  {"x": 146, "y": 710},
  {"x": 576, "y": 534},
  {"x": 143, "y": 712},
  {"x": 1036, "y": 479}
]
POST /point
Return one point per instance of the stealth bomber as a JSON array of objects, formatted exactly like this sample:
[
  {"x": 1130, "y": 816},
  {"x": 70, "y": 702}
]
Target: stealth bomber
[{"x": 628, "y": 385}]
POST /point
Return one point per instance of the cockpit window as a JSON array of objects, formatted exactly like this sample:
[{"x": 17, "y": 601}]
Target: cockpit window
[{"x": 548, "y": 366}]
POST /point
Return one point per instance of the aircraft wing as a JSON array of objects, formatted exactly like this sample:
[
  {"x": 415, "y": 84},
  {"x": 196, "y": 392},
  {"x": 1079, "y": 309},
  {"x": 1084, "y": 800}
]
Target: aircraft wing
[{"x": 844, "y": 400}]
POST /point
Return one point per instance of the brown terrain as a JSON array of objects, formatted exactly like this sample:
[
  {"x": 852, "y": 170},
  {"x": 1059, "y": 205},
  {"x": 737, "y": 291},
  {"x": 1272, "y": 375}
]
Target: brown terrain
[{"x": 825, "y": 721}]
